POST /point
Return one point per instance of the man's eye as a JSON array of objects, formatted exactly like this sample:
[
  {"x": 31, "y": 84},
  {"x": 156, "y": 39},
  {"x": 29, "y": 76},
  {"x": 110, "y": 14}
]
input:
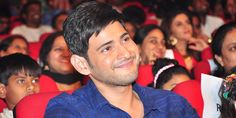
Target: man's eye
[{"x": 106, "y": 49}]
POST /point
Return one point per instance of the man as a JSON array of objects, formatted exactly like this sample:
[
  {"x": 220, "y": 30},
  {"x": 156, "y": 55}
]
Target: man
[
  {"x": 32, "y": 28},
  {"x": 103, "y": 50},
  {"x": 209, "y": 23}
]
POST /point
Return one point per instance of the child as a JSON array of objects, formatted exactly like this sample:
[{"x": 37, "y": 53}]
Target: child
[
  {"x": 168, "y": 73},
  {"x": 18, "y": 78}
]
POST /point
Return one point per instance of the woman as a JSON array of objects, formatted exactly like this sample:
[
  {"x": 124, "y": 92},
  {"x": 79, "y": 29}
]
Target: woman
[
  {"x": 178, "y": 27},
  {"x": 55, "y": 60},
  {"x": 151, "y": 42},
  {"x": 14, "y": 44},
  {"x": 224, "y": 48}
]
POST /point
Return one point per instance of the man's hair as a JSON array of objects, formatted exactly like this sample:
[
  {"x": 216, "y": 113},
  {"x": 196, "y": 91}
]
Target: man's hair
[
  {"x": 17, "y": 63},
  {"x": 88, "y": 19},
  {"x": 25, "y": 8}
]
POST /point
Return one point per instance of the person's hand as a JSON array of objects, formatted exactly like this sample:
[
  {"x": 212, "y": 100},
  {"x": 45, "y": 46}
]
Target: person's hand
[{"x": 197, "y": 44}]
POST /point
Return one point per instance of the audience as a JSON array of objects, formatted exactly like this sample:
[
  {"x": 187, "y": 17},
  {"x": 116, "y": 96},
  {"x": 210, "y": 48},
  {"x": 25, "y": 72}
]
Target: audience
[
  {"x": 14, "y": 44},
  {"x": 168, "y": 73},
  {"x": 55, "y": 60},
  {"x": 151, "y": 42},
  {"x": 32, "y": 28},
  {"x": 112, "y": 64},
  {"x": 19, "y": 77}
]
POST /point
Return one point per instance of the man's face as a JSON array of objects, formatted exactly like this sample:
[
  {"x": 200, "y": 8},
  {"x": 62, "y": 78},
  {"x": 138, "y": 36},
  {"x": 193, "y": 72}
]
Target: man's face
[
  {"x": 113, "y": 56},
  {"x": 33, "y": 15},
  {"x": 201, "y": 6}
]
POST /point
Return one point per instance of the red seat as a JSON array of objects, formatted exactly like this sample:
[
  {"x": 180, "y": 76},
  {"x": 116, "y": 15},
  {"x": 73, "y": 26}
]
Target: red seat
[
  {"x": 34, "y": 49},
  {"x": 145, "y": 75},
  {"x": 191, "y": 90},
  {"x": 34, "y": 106},
  {"x": 2, "y": 105},
  {"x": 47, "y": 84}
]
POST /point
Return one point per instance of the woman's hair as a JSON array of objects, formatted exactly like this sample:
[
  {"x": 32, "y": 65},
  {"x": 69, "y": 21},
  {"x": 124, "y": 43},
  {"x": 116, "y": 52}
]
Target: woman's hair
[
  {"x": 164, "y": 69},
  {"x": 144, "y": 31},
  {"x": 5, "y": 43},
  {"x": 167, "y": 21},
  {"x": 217, "y": 42},
  {"x": 15, "y": 64},
  {"x": 227, "y": 95},
  {"x": 47, "y": 47}
]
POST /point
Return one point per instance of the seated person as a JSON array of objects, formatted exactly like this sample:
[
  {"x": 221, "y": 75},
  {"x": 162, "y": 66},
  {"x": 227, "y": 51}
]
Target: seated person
[
  {"x": 14, "y": 44},
  {"x": 55, "y": 60},
  {"x": 168, "y": 73},
  {"x": 102, "y": 48},
  {"x": 19, "y": 76}
]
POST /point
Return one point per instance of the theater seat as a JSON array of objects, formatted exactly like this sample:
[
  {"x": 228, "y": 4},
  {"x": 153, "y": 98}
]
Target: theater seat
[
  {"x": 2, "y": 105},
  {"x": 34, "y": 49},
  {"x": 47, "y": 84},
  {"x": 191, "y": 90},
  {"x": 34, "y": 106},
  {"x": 145, "y": 75}
]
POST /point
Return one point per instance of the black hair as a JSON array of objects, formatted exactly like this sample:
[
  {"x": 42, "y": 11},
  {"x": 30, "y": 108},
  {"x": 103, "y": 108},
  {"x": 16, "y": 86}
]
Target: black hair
[
  {"x": 135, "y": 14},
  {"x": 26, "y": 6},
  {"x": 167, "y": 21},
  {"x": 17, "y": 63},
  {"x": 88, "y": 19},
  {"x": 5, "y": 43},
  {"x": 54, "y": 19},
  {"x": 47, "y": 47},
  {"x": 217, "y": 42},
  {"x": 142, "y": 32},
  {"x": 167, "y": 74},
  {"x": 228, "y": 105}
]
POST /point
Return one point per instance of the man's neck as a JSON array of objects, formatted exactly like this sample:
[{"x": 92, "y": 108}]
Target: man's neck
[{"x": 122, "y": 97}]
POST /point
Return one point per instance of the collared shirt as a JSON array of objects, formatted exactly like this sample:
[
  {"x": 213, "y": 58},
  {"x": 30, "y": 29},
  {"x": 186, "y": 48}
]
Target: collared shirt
[{"x": 88, "y": 102}]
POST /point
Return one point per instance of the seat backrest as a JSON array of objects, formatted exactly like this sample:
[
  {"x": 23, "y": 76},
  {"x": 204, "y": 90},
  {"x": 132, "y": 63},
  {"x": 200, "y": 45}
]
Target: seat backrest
[
  {"x": 34, "y": 49},
  {"x": 145, "y": 75},
  {"x": 191, "y": 91},
  {"x": 2, "y": 105},
  {"x": 47, "y": 84},
  {"x": 34, "y": 106}
]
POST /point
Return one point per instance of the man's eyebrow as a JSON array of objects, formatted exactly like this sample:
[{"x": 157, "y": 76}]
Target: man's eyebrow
[
  {"x": 109, "y": 42},
  {"x": 123, "y": 35}
]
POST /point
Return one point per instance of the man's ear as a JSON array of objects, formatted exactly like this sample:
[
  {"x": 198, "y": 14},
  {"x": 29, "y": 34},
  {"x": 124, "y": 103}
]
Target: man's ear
[
  {"x": 80, "y": 64},
  {"x": 219, "y": 60},
  {"x": 2, "y": 91}
]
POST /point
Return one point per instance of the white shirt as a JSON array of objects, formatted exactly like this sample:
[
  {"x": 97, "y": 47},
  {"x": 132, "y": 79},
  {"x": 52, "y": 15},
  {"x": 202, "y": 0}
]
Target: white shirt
[
  {"x": 212, "y": 23},
  {"x": 6, "y": 113},
  {"x": 31, "y": 34}
]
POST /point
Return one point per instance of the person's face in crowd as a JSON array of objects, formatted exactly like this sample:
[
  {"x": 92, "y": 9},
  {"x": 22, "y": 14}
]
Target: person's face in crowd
[
  {"x": 19, "y": 86},
  {"x": 59, "y": 22},
  {"x": 113, "y": 57},
  {"x": 181, "y": 27},
  {"x": 201, "y": 6},
  {"x": 18, "y": 45},
  {"x": 175, "y": 79},
  {"x": 4, "y": 25},
  {"x": 33, "y": 15},
  {"x": 58, "y": 58},
  {"x": 130, "y": 28},
  {"x": 231, "y": 6},
  {"x": 196, "y": 26},
  {"x": 228, "y": 57},
  {"x": 153, "y": 47}
]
